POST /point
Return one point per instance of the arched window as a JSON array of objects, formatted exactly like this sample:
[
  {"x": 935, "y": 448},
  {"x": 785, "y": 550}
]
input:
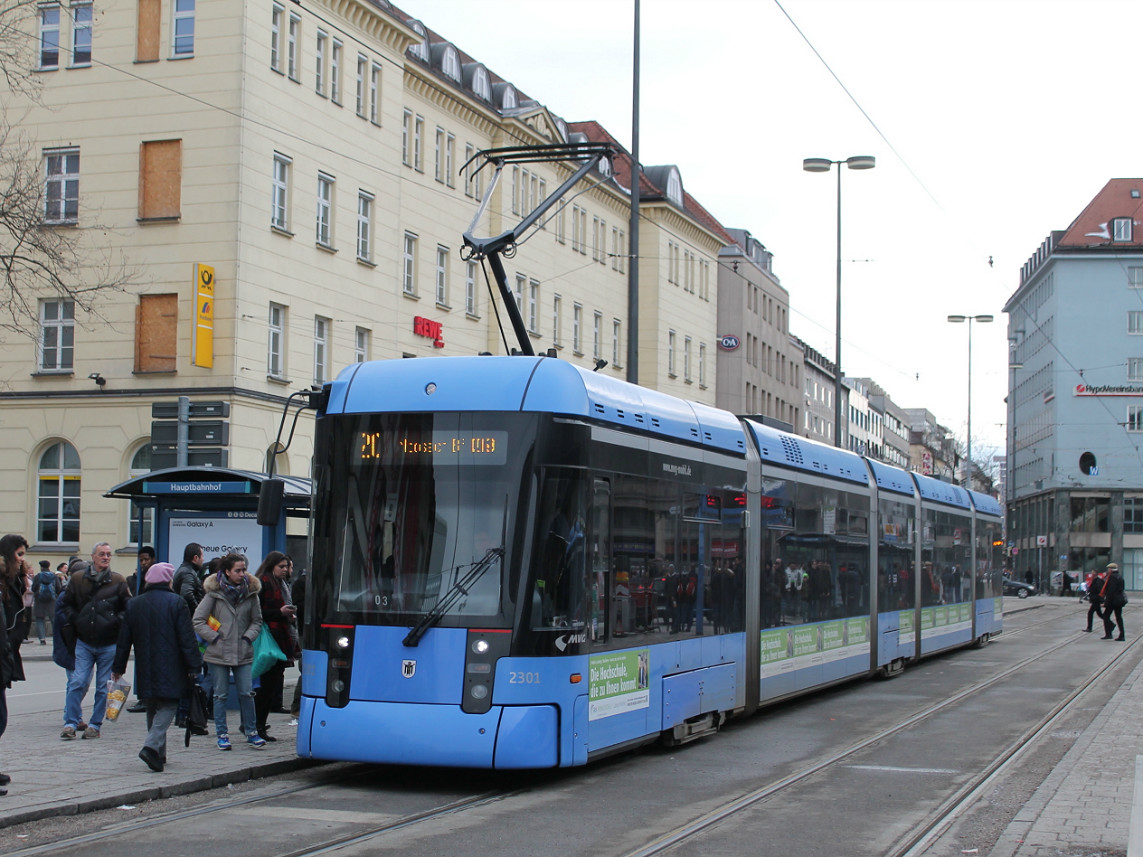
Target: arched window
[
  {"x": 276, "y": 461},
  {"x": 57, "y": 515},
  {"x": 481, "y": 85},
  {"x": 675, "y": 188},
  {"x": 141, "y": 526},
  {"x": 450, "y": 63},
  {"x": 421, "y": 49}
]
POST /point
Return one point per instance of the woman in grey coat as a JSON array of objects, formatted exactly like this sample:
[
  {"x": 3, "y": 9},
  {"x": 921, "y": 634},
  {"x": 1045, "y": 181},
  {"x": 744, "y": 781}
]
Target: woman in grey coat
[{"x": 229, "y": 618}]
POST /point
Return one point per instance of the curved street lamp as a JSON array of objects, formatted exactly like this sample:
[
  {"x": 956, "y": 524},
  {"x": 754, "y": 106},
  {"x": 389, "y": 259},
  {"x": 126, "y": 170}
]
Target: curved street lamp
[
  {"x": 823, "y": 165},
  {"x": 960, "y": 319}
]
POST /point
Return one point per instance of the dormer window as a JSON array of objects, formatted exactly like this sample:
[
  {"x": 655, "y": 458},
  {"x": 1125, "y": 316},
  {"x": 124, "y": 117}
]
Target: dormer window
[
  {"x": 1121, "y": 229},
  {"x": 421, "y": 49},
  {"x": 605, "y": 167},
  {"x": 563, "y": 126},
  {"x": 450, "y": 63},
  {"x": 675, "y": 188},
  {"x": 481, "y": 85},
  {"x": 508, "y": 98}
]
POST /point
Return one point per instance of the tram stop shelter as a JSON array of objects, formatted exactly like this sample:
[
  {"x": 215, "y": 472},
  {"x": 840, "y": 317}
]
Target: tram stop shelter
[{"x": 217, "y": 508}]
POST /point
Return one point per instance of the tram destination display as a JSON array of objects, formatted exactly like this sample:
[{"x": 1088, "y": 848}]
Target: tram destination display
[{"x": 442, "y": 447}]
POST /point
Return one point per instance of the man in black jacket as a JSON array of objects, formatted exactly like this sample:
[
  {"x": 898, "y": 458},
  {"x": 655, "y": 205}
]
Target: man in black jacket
[
  {"x": 188, "y": 578},
  {"x": 1113, "y": 601},
  {"x": 94, "y": 604},
  {"x": 158, "y": 625}
]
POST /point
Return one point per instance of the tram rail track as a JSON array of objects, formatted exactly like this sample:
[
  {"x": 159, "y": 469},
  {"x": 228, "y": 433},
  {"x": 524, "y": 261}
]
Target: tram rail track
[
  {"x": 914, "y": 842},
  {"x": 922, "y": 833}
]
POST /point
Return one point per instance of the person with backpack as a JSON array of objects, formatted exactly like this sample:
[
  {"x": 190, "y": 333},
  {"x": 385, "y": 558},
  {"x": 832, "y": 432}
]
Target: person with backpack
[{"x": 45, "y": 588}]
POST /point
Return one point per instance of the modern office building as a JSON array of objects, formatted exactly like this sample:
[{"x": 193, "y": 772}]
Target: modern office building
[{"x": 1075, "y": 398}]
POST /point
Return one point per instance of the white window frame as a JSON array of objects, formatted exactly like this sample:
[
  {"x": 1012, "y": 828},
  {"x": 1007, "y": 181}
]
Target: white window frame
[
  {"x": 671, "y": 353},
  {"x": 65, "y": 480},
  {"x": 470, "y": 288},
  {"x": 419, "y": 143},
  {"x": 1135, "y": 418},
  {"x": 335, "y": 50},
  {"x": 577, "y": 324},
  {"x": 557, "y": 320},
  {"x": 49, "y": 37},
  {"x": 438, "y": 155},
  {"x": 320, "y": 62},
  {"x": 521, "y": 281},
  {"x": 277, "y": 13},
  {"x": 1121, "y": 229},
  {"x": 65, "y": 183},
  {"x": 365, "y": 226},
  {"x": 323, "y": 329},
  {"x": 616, "y": 335},
  {"x": 1135, "y": 368},
  {"x": 182, "y": 17},
  {"x": 596, "y": 334},
  {"x": 276, "y": 342},
  {"x": 534, "y": 306},
  {"x": 1135, "y": 276},
  {"x": 702, "y": 364},
  {"x": 442, "y": 276},
  {"x": 450, "y": 152},
  {"x": 362, "y": 65},
  {"x": 409, "y": 265},
  {"x": 687, "y": 359},
  {"x": 407, "y": 138},
  {"x": 375, "y": 93},
  {"x": 82, "y": 24},
  {"x": 362, "y": 344},
  {"x": 292, "y": 38},
  {"x": 145, "y": 534},
  {"x": 1135, "y": 322},
  {"x": 280, "y": 192},
  {"x": 57, "y": 337},
  {"x": 324, "y": 215}
]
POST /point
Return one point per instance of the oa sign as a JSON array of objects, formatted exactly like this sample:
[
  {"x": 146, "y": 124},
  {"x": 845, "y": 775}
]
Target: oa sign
[{"x": 728, "y": 342}]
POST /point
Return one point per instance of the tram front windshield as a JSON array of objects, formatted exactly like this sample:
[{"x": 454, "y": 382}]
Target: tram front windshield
[{"x": 420, "y": 511}]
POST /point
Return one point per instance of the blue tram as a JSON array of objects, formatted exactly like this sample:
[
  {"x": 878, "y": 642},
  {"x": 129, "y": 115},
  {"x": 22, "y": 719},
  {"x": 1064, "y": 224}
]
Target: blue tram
[{"x": 518, "y": 563}]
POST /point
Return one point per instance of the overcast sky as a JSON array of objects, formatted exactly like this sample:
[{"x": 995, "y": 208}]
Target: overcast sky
[{"x": 993, "y": 123}]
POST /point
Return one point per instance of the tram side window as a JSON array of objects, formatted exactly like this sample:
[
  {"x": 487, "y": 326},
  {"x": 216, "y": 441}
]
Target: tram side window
[
  {"x": 820, "y": 568},
  {"x": 895, "y": 582},
  {"x": 559, "y": 596}
]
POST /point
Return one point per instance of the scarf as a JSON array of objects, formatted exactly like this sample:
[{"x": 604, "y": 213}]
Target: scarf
[{"x": 233, "y": 592}]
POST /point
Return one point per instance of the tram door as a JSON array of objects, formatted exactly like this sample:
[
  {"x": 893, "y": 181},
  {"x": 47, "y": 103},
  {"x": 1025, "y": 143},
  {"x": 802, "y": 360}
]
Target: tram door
[{"x": 604, "y": 609}]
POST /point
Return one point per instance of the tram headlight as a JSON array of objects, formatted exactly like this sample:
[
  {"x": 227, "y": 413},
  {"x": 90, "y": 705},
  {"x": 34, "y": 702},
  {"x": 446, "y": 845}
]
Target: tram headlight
[
  {"x": 337, "y": 686},
  {"x": 480, "y": 647},
  {"x": 343, "y": 642},
  {"x": 479, "y": 691}
]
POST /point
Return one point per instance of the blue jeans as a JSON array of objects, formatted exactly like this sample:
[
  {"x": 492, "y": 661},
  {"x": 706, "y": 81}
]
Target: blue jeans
[
  {"x": 243, "y": 682},
  {"x": 87, "y": 658}
]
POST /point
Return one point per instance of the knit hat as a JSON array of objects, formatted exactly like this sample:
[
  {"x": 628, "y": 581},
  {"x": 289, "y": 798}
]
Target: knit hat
[{"x": 160, "y": 572}]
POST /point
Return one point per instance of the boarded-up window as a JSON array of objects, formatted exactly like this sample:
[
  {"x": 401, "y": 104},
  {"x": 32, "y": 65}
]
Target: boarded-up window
[
  {"x": 147, "y": 37},
  {"x": 160, "y": 179},
  {"x": 156, "y": 333}
]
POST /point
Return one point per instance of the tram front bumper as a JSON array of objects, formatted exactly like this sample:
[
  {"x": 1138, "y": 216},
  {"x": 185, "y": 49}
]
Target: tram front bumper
[{"x": 401, "y": 733}]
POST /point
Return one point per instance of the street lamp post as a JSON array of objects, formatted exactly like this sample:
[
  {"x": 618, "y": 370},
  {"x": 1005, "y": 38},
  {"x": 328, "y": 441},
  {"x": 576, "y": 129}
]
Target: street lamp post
[
  {"x": 823, "y": 165},
  {"x": 958, "y": 319}
]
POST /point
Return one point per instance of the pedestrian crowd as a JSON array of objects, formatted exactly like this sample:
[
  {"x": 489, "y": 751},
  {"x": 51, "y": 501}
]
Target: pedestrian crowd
[{"x": 197, "y": 624}]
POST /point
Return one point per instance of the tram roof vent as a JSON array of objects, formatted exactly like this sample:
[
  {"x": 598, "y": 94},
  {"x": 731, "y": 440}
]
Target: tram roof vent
[
  {"x": 707, "y": 436},
  {"x": 619, "y": 413},
  {"x": 793, "y": 450},
  {"x": 694, "y": 432},
  {"x": 599, "y": 408},
  {"x": 655, "y": 422},
  {"x": 639, "y": 419}
]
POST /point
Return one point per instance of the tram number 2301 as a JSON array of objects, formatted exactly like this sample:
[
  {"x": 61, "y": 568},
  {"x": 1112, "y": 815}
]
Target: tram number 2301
[{"x": 516, "y": 677}]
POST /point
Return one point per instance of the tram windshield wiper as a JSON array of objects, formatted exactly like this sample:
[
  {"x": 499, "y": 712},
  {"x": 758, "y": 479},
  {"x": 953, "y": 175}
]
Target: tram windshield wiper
[{"x": 446, "y": 601}]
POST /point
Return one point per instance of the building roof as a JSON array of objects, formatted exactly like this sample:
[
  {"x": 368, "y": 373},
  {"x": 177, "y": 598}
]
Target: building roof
[{"x": 1092, "y": 228}]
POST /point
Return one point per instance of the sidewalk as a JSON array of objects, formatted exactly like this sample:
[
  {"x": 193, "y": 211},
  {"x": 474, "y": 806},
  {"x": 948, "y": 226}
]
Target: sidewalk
[
  {"x": 53, "y": 777},
  {"x": 1084, "y": 805}
]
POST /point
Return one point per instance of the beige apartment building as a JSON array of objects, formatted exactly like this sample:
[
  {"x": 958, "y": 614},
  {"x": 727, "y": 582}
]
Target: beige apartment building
[
  {"x": 760, "y": 365},
  {"x": 282, "y": 184}
]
